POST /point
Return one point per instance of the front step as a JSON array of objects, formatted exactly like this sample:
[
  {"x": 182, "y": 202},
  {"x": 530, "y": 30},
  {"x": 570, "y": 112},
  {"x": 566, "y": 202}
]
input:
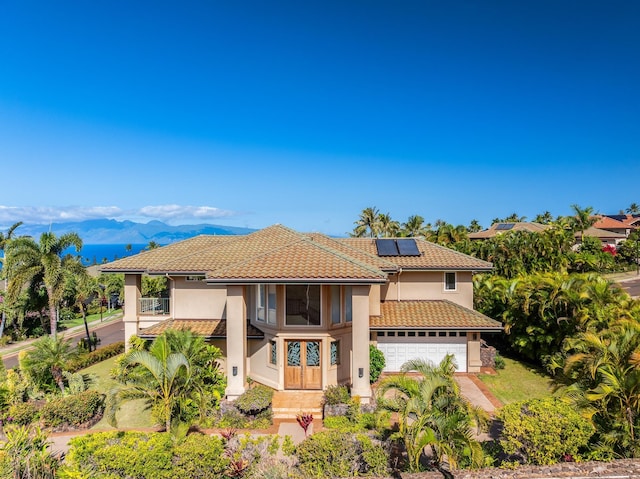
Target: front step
[{"x": 288, "y": 404}]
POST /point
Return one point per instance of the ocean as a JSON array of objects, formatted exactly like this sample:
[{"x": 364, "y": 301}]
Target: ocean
[{"x": 103, "y": 253}]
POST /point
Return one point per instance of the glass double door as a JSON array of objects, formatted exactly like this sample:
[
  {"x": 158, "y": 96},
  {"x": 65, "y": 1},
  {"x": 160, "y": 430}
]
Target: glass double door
[{"x": 303, "y": 368}]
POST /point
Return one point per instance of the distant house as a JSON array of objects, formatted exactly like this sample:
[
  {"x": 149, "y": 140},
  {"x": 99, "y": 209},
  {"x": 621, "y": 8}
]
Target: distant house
[
  {"x": 500, "y": 228},
  {"x": 298, "y": 311},
  {"x": 605, "y": 236},
  {"x": 613, "y": 225}
]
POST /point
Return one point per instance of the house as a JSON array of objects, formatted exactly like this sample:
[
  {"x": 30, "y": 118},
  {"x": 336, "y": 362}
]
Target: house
[
  {"x": 298, "y": 311},
  {"x": 500, "y": 228},
  {"x": 613, "y": 225},
  {"x": 606, "y": 237}
]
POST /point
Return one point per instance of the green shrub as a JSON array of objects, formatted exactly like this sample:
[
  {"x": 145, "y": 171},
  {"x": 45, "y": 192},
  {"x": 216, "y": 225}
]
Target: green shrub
[
  {"x": 499, "y": 362},
  {"x": 255, "y": 399},
  {"x": 541, "y": 431},
  {"x": 340, "y": 423},
  {"x": 88, "y": 359},
  {"x": 337, "y": 394},
  {"x": 146, "y": 456},
  {"x": 376, "y": 363},
  {"x": 23, "y": 413},
  {"x": 335, "y": 454},
  {"x": 73, "y": 411}
]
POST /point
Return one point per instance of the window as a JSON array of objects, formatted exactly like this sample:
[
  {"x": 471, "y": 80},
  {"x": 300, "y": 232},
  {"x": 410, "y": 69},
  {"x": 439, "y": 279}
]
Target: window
[
  {"x": 266, "y": 301},
  {"x": 273, "y": 350},
  {"x": 348, "y": 306},
  {"x": 195, "y": 278},
  {"x": 450, "y": 281},
  {"x": 336, "y": 308},
  {"x": 335, "y": 353},
  {"x": 303, "y": 305}
]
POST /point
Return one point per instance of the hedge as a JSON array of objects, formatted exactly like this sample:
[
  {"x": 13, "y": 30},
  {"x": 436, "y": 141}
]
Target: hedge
[
  {"x": 85, "y": 360},
  {"x": 73, "y": 411}
]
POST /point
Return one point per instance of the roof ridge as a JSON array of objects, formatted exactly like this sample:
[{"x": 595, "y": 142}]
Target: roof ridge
[{"x": 457, "y": 253}]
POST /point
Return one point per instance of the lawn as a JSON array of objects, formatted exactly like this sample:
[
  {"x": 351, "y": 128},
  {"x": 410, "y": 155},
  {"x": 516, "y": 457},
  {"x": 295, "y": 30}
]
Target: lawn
[
  {"x": 77, "y": 321},
  {"x": 132, "y": 413},
  {"x": 518, "y": 381}
]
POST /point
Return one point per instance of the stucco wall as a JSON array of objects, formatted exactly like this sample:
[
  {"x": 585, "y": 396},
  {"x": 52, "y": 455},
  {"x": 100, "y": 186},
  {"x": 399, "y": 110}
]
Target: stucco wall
[
  {"x": 196, "y": 300},
  {"x": 421, "y": 285}
]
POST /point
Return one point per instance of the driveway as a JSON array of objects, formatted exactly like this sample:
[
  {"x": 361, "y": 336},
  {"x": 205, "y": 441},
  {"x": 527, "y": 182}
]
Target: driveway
[{"x": 476, "y": 392}]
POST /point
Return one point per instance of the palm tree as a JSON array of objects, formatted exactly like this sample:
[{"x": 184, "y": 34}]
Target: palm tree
[
  {"x": 432, "y": 414},
  {"x": 413, "y": 226},
  {"x": 583, "y": 219},
  {"x": 368, "y": 224},
  {"x": 32, "y": 263},
  {"x": 163, "y": 380},
  {"x": 5, "y": 239},
  {"x": 47, "y": 360},
  {"x": 544, "y": 218},
  {"x": 633, "y": 209},
  {"x": 474, "y": 226},
  {"x": 602, "y": 377},
  {"x": 85, "y": 288},
  {"x": 388, "y": 228},
  {"x": 514, "y": 218}
]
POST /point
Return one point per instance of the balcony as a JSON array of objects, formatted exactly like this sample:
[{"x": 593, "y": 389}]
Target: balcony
[{"x": 153, "y": 306}]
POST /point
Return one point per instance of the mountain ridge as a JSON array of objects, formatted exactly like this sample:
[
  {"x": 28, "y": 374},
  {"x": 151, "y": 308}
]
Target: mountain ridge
[{"x": 109, "y": 231}]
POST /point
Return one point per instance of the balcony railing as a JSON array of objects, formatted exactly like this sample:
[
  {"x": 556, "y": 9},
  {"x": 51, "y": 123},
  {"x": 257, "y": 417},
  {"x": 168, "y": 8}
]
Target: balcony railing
[{"x": 153, "y": 306}]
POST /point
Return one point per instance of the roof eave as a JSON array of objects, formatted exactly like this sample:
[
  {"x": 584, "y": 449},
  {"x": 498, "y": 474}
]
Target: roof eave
[
  {"x": 439, "y": 328},
  {"x": 295, "y": 280}
]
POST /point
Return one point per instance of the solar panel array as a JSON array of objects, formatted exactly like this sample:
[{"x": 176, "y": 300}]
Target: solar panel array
[
  {"x": 504, "y": 226},
  {"x": 400, "y": 247}
]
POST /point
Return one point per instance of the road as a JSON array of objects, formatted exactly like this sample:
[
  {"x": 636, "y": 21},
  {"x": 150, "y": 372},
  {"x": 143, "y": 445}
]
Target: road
[
  {"x": 632, "y": 287},
  {"x": 108, "y": 334}
]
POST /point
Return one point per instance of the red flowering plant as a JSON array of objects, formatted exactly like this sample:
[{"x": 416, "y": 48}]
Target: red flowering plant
[{"x": 609, "y": 248}]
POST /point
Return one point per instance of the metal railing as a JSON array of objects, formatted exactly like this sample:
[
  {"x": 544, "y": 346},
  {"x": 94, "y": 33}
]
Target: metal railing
[{"x": 153, "y": 306}]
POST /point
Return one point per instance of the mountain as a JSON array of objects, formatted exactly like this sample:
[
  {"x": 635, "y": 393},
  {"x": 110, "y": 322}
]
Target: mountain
[{"x": 105, "y": 231}]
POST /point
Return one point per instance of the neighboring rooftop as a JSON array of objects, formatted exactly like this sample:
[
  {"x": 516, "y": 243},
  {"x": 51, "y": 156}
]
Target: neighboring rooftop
[
  {"x": 599, "y": 233},
  {"x": 609, "y": 223},
  {"x": 499, "y": 228}
]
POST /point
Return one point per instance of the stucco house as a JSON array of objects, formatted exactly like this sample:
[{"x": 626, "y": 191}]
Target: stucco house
[
  {"x": 298, "y": 311},
  {"x": 497, "y": 229}
]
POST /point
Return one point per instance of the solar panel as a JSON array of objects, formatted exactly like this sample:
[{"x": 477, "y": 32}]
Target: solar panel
[
  {"x": 387, "y": 247},
  {"x": 408, "y": 247},
  {"x": 504, "y": 226}
]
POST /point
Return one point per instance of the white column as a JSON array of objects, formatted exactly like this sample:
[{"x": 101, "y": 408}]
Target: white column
[
  {"x": 236, "y": 342},
  {"x": 132, "y": 293},
  {"x": 360, "y": 344}
]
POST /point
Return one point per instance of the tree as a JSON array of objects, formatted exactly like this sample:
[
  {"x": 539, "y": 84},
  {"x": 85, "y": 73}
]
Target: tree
[
  {"x": 368, "y": 225},
  {"x": 85, "y": 289},
  {"x": 389, "y": 228},
  {"x": 47, "y": 360},
  {"x": 543, "y": 218},
  {"x": 413, "y": 227},
  {"x": 633, "y": 209},
  {"x": 431, "y": 413},
  {"x": 515, "y": 218},
  {"x": 32, "y": 263},
  {"x": 583, "y": 219},
  {"x": 5, "y": 239},
  {"x": 474, "y": 226}
]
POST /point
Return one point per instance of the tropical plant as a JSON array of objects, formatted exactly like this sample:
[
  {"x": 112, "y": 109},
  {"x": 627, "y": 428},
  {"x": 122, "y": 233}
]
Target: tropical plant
[
  {"x": 414, "y": 226},
  {"x": 5, "y": 239},
  {"x": 582, "y": 220},
  {"x": 45, "y": 363},
  {"x": 31, "y": 264},
  {"x": 377, "y": 363},
  {"x": 633, "y": 209},
  {"x": 432, "y": 413},
  {"x": 368, "y": 225},
  {"x": 27, "y": 454},
  {"x": 85, "y": 288},
  {"x": 601, "y": 376}
]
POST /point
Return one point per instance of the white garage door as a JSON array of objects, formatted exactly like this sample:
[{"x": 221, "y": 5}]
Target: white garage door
[{"x": 398, "y": 350}]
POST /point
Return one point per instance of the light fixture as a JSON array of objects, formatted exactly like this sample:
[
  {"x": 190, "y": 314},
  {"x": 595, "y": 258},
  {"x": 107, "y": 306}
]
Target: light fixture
[
  {"x": 234, "y": 370},
  {"x": 360, "y": 372}
]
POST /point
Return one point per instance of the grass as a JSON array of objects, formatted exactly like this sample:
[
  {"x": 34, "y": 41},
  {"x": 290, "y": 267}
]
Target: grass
[
  {"x": 518, "y": 381},
  {"x": 91, "y": 318},
  {"x": 132, "y": 413}
]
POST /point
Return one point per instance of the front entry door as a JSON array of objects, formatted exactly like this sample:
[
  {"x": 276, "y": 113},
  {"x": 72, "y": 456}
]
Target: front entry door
[{"x": 303, "y": 368}]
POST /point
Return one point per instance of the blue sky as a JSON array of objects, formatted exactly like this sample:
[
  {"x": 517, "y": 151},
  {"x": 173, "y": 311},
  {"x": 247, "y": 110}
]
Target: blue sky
[{"x": 304, "y": 113}]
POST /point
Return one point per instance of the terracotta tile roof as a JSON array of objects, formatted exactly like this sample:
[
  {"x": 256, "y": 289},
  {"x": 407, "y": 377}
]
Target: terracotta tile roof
[
  {"x": 599, "y": 233},
  {"x": 432, "y": 256},
  {"x": 517, "y": 226},
  {"x": 433, "y": 314},
  {"x": 607, "y": 223},
  {"x": 279, "y": 253},
  {"x": 208, "y": 328}
]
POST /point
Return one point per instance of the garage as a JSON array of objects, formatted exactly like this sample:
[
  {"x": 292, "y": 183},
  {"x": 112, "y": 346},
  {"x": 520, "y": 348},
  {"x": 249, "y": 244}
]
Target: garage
[{"x": 399, "y": 347}]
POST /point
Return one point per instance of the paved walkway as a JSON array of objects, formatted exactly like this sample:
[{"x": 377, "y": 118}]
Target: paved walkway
[{"x": 477, "y": 393}]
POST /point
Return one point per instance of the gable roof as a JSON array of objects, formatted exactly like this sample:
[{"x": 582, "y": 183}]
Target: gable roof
[
  {"x": 430, "y": 314},
  {"x": 279, "y": 254},
  {"x": 608, "y": 223},
  {"x": 599, "y": 233},
  {"x": 504, "y": 227},
  {"x": 632, "y": 221}
]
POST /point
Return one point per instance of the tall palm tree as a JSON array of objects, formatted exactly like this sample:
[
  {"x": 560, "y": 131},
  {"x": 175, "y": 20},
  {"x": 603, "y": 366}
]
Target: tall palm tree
[
  {"x": 47, "y": 360},
  {"x": 474, "y": 226},
  {"x": 633, "y": 209},
  {"x": 544, "y": 218},
  {"x": 162, "y": 382},
  {"x": 389, "y": 228},
  {"x": 583, "y": 219},
  {"x": 85, "y": 288},
  {"x": 413, "y": 227},
  {"x": 433, "y": 414},
  {"x": 32, "y": 263},
  {"x": 5, "y": 239},
  {"x": 368, "y": 225}
]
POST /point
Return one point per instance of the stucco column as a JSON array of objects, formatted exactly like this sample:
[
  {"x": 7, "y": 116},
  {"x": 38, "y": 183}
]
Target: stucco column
[
  {"x": 236, "y": 342},
  {"x": 473, "y": 351},
  {"x": 132, "y": 293},
  {"x": 360, "y": 344}
]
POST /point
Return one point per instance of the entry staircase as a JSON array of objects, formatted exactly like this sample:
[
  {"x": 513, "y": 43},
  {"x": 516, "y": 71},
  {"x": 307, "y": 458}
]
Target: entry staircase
[{"x": 288, "y": 404}]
